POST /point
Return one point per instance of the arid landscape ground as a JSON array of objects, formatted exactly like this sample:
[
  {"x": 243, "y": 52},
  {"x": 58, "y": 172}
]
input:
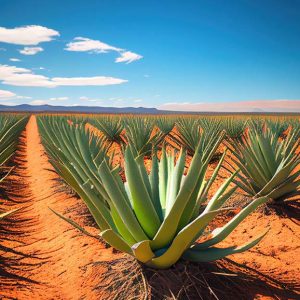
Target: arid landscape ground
[{"x": 43, "y": 257}]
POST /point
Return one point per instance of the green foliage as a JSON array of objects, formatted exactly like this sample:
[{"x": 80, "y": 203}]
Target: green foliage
[
  {"x": 267, "y": 163},
  {"x": 158, "y": 217},
  {"x": 11, "y": 127},
  {"x": 111, "y": 127}
]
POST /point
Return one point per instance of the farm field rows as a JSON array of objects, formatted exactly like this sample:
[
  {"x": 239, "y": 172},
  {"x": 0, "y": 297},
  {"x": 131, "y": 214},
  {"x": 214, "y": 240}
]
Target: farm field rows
[{"x": 156, "y": 187}]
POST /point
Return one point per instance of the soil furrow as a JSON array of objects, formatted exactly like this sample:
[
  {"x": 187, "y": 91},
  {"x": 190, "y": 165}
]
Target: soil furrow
[{"x": 51, "y": 256}]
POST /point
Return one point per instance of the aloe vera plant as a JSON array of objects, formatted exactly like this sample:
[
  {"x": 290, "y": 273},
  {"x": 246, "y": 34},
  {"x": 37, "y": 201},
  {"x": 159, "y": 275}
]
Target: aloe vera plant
[
  {"x": 234, "y": 128},
  {"x": 158, "y": 217},
  {"x": 267, "y": 163},
  {"x": 190, "y": 135},
  {"x": 142, "y": 136},
  {"x": 111, "y": 127},
  {"x": 11, "y": 127}
]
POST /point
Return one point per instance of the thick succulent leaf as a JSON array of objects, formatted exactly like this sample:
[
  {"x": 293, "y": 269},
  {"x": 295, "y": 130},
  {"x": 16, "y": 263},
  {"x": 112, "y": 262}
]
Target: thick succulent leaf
[
  {"x": 220, "y": 234},
  {"x": 174, "y": 180},
  {"x": 142, "y": 251},
  {"x": 169, "y": 226},
  {"x": 213, "y": 204},
  {"x": 116, "y": 241},
  {"x": 141, "y": 201},
  {"x": 120, "y": 202},
  {"x": 154, "y": 182},
  {"x": 182, "y": 241},
  {"x": 215, "y": 253},
  {"x": 163, "y": 178}
]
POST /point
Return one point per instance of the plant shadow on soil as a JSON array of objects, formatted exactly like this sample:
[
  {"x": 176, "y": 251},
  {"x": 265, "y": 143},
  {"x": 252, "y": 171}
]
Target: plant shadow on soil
[
  {"x": 13, "y": 229},
  {"x": 125, "y": 278}
]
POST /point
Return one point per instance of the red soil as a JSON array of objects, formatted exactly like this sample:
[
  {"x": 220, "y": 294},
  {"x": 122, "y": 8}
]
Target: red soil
[
  {"x": 52, "y": 258},
  {"x": 43, "y": 257}
]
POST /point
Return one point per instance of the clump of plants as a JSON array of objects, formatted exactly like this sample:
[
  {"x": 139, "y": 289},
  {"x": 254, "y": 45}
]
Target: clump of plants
[
  {"x": 268, "y": 164},
  {"x": 158, "y": 217}
]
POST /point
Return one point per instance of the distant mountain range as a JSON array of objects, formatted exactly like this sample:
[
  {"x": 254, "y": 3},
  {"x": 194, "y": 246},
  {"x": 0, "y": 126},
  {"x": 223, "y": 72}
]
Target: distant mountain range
[
  {"x": 118, "y": 110},
  {"x": 78, "y": 109}
]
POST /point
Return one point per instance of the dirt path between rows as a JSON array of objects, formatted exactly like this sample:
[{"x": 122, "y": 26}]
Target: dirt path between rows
[{"x": 44, "y": 257}]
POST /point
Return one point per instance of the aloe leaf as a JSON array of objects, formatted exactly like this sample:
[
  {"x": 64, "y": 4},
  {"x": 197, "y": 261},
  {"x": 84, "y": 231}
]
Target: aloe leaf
[
  {"x": 120, "y": 202},
  {"x": 154, "y": 182},
  {"x": 169, "y": 226},
  {"x": 73, "y": 223},
  {"x": 213, "y": 203},
  {"x": 141, "y": 201},
  {"x": 163, "y": 178},
  {"x": 8, "y": 213},
  {"x": 142, "y": 251},
  {"x": 182, "y": 241},
  {"x": 220, "y": 234},
  {"x": 174, "y": 180},
  {"x": 214, "y": 253},
  {"x": 116, "y": 241}
]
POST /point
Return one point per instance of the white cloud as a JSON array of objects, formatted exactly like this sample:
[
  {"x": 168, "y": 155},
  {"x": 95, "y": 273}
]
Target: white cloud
[
  {"x": 47, "y": 101},
  {"x": 6, "y": 95},
  {"x": 15, "y": 59},
  {"x": 7, "y": 103},
  {"x": 31, "y": 50},
  {"x": 16, "y": 76},
  {"x": 138, "y": 100},
  {"x": 87, "y": 99},
  {"x": 81, "y": 44},
  {"x": 38, "y": 102},
  {"x": 59, "y": 98},
  {"x": 81, "y": 81},
  {"x": 23, "y": 97},
  {"x": 27, "y": 35},
  {"x": 128, "y": 57}
]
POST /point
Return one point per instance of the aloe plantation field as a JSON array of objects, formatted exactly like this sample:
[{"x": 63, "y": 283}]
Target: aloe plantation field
[{"x": 149, "y": 206}]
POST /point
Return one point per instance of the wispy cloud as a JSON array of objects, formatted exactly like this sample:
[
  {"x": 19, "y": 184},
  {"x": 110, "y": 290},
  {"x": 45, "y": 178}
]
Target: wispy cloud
[
  {"x": 15, "y": 59},
  {"x": 278, "y": 105},
  {"x": 48, "y": 101},
  {"x": 81, "y": 44},
  {"x": 59, "y": 98},
  {"x": 12, "y": 75},
  {"x": 87, "y": 99},
  {"x": 27, "y": 35},
  {"x": 128, "y": 57},
  {"x": 4, "y": 95},
  {"x": 38, "y": 102},
  {"x": 31, "y": 50},
  {"x": 8, "y": 95}
]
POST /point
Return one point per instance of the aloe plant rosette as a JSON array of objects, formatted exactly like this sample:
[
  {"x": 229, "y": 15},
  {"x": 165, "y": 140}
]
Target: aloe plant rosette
[
  {"x": 158, "y": 217},
  {"x": 268, "y": 164}
]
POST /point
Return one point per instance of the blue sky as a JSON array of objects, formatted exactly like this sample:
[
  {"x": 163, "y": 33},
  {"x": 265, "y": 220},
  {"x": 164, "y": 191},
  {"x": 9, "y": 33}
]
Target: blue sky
[{"x": 169, "y": 52}]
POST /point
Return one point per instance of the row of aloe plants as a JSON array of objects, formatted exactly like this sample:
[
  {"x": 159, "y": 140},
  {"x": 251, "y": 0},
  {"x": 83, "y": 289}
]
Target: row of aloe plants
[
  {"x": 263, "y": 150},
  {"x": 157, "y": 216},
  {"x": 185, "y": 130},
  {"x": 11, "y": 127}
]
